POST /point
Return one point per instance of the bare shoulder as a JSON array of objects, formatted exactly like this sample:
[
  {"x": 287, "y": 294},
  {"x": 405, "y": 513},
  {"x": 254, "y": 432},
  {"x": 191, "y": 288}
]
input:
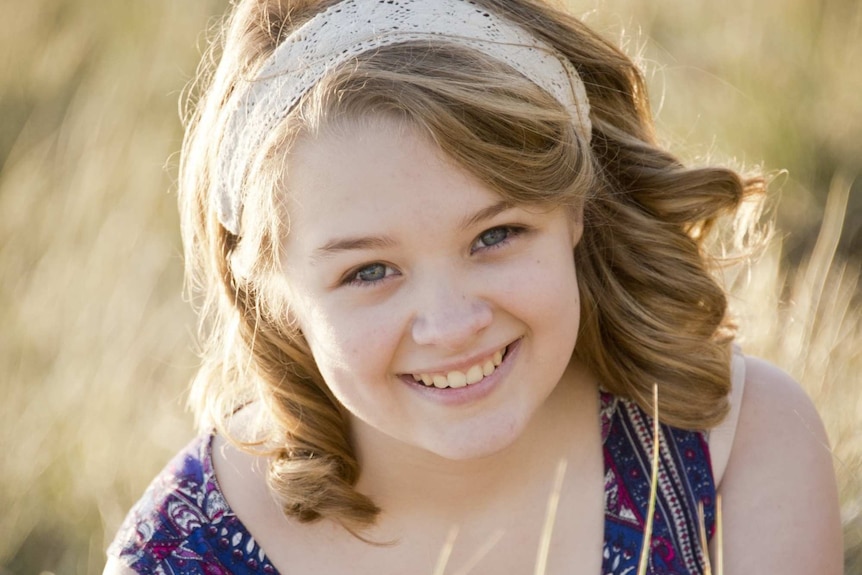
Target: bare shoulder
[
  {"x": 777, "y": 415},
  {"x": 779, "y": 492}
]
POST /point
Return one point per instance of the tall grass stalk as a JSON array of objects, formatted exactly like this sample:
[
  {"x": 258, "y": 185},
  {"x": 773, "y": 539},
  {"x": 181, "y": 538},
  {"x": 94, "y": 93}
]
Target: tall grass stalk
[
  {"x": 480, "y": 553},
  {"x": 550, "y": 519},
  {"x": 719, "y": 537},
  {"x": 446, "y": 551},
  {"x": 646, "y": 547},
  {"x": 704, "y": 542}
]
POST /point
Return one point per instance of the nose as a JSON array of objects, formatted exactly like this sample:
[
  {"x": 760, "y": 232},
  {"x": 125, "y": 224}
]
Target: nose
[{"x": 449, "y": 316}]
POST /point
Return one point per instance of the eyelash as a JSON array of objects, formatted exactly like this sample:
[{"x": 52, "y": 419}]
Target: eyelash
[
  {"x": 351, "y": 279},
  {"x": 512, "y": 233}
]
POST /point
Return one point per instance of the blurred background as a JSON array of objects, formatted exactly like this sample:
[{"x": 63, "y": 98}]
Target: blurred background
[{"x": 96, "y": 340}]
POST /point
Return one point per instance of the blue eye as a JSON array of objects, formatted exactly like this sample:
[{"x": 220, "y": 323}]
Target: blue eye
[
  {"x": 495, "y": 237},
  {"x": 372, "y": 273},
  {"x": 369, "y": 274}
]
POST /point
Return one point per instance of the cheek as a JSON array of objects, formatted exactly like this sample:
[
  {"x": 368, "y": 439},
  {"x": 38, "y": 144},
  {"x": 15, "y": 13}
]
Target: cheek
[
  {"x": 549, "y": 301},
  {"x": 560, "y": 299},
  {"x": 349, "y": 345},
  {"x": 546, "y": 288}
]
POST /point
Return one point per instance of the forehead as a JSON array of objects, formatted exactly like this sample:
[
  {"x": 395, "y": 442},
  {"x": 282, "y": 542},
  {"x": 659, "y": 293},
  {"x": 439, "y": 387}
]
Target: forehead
[{"x": 377, "y": 173}]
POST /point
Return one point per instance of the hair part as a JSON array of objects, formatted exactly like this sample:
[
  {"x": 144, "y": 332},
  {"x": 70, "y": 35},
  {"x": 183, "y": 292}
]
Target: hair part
[{"x": 652, "y": 311}]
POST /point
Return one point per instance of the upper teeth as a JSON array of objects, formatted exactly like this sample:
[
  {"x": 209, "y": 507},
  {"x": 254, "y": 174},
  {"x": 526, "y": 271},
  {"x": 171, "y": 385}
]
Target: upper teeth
[{"x": 455, "y": 379}]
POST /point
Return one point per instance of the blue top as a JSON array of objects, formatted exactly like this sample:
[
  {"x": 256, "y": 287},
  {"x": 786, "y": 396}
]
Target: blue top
[{"x": 184, "y": 526}]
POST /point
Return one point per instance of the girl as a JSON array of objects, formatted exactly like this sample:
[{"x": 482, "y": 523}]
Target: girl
[{"x": 442, "y": 262}]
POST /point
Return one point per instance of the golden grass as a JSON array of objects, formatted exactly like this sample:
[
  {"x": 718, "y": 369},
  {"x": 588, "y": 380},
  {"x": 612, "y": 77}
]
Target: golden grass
[
  {"x": 95, "y": 346},
  {"x": 643, "y": 562},
  {"x": 550, "y": 518},
  {"x": 719, "y": 538}
]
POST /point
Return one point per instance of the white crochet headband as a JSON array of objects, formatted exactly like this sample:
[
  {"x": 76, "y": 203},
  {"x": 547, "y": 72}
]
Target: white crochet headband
[{"x": 351, "y": 27}]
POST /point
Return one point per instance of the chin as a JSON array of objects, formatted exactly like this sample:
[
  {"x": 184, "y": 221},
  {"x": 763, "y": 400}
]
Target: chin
[{"x": 481, "y": 443}]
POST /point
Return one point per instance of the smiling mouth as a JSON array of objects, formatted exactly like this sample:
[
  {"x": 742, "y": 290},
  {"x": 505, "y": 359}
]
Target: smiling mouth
[{"x": 456, "y": 379}]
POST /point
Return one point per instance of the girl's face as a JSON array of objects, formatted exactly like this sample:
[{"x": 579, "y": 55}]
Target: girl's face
[{"x": 410, "y": 279}]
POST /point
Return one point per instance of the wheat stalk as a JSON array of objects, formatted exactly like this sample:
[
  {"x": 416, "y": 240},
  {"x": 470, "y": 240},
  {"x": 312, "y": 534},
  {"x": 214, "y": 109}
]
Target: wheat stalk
[
  {"x": 643, "y": 562},
  {"x": 550, "y": 517},
  {"x": 647, "y": 541},
  {"x": 481, "y": 552},
  {"x": 719, "y": 539},
  {"x": 446, "y": 551}
]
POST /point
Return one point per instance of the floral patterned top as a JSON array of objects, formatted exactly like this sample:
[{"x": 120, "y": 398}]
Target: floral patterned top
[{"x": 183, "y": 525}]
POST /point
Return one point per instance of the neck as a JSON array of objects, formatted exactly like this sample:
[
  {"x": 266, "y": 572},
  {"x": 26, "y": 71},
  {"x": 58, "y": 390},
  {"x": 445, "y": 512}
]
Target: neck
[{"x": 409, "y": 481}]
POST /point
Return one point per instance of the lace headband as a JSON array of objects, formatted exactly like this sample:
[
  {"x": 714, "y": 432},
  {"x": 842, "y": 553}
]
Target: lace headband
[{"x": 352, "y": 27}]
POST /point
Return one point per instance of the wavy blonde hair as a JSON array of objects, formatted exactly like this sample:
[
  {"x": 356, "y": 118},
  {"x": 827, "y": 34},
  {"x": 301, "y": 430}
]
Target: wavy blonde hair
[{"x": 651, "y": 310}]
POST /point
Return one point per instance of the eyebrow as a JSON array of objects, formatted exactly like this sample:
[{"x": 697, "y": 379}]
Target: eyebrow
[
  {"x": 339, "y": 245},
  {"x": 333, "y": 247},
  {"x": 485, "y": 214}
]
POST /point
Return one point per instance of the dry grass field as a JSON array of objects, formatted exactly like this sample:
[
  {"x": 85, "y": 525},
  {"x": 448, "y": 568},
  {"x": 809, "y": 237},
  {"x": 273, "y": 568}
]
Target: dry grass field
[{"x": 95, "y": 346}]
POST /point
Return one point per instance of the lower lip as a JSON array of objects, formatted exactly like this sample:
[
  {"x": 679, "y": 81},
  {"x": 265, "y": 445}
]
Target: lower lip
[{"x": 468, "y": 393}]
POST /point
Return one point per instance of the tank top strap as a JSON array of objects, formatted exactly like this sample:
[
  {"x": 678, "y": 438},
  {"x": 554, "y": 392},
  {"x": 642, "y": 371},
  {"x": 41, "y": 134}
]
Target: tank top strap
[{"x": 685, "y": 481}]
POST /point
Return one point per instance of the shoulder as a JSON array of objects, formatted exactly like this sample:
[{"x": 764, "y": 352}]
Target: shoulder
[
  {"x": 779, "y": 492},
  {"x": 778, "y": 417}
]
